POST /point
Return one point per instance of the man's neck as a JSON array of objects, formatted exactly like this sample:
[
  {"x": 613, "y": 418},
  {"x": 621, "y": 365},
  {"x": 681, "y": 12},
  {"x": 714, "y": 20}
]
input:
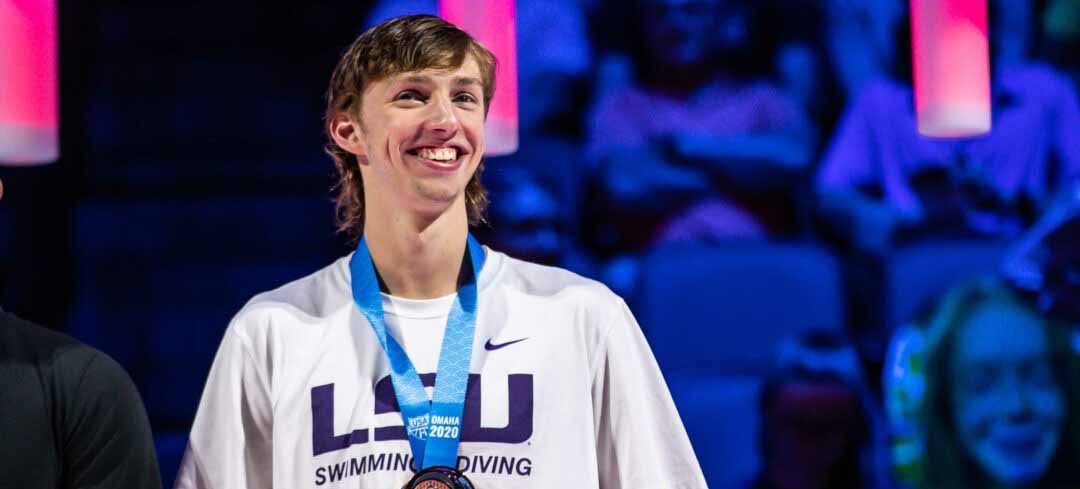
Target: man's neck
[{"x": 418, "y": 258}]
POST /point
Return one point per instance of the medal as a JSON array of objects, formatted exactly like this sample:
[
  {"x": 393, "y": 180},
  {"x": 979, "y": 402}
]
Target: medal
[{"x": 439, "y": 477}]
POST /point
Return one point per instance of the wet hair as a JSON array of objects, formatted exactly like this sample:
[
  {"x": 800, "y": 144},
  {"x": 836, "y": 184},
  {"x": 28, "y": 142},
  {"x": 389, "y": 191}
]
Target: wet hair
[{"x": 399, "y": 45}]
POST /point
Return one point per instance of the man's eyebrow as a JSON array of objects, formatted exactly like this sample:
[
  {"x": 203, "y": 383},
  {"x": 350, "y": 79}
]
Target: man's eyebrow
[
  {"x": 468, "y": 81},
  {"x": 462, "y": 81},
  {"x": 417, "y": 79}
]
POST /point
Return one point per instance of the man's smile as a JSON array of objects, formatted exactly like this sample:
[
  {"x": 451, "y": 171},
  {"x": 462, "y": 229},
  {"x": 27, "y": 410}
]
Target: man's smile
[{"x": 440, "y": 158}]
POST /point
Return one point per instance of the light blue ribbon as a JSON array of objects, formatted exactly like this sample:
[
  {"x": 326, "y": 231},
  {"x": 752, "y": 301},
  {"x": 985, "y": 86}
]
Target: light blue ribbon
[{"x": 433, "y": 427}]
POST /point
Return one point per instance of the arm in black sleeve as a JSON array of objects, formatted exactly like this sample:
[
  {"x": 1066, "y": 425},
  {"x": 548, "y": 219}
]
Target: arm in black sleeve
[{"x": 107, "y": 441}]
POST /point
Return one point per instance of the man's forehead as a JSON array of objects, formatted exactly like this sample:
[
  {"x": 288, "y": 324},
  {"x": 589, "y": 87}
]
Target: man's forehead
[{"x": 467, "y": 73}]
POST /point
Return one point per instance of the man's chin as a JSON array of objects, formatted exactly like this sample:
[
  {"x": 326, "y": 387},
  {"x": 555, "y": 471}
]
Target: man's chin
[
  {"x": 437, "y": 198},
  {"x": 435, "y": 203}
]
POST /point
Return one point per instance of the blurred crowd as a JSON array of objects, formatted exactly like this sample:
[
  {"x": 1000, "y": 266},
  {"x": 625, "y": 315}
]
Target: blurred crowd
[{"x": 653, "y": 124}]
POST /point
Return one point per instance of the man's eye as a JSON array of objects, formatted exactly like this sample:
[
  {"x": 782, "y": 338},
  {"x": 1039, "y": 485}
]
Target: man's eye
[
  {"x": 465, "y": 97},
  {"x": 409, "y": 95}
]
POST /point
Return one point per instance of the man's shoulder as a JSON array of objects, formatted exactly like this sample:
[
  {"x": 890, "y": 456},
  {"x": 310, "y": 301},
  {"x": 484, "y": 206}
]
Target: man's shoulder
[
  {"x": 312, "y": 297},
  {"x": 86, "y": 396},
  {"x": 36, "y": 344},
  {"x": 67, "y": 362}
]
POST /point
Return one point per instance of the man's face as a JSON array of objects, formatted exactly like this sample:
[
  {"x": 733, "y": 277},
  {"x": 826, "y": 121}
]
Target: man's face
[
  {"x": 422, "y": 136},
  {"x": 1007, "y": 404}
]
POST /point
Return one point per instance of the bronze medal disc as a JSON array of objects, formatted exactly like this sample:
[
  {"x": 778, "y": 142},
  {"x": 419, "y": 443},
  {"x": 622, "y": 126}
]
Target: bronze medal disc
[
  {"x": 439, "y": 478},
  {"x": 432, "y": 484}
]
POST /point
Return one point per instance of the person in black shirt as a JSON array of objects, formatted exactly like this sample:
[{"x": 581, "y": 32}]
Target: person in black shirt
[{"x": 70, "y": 417}]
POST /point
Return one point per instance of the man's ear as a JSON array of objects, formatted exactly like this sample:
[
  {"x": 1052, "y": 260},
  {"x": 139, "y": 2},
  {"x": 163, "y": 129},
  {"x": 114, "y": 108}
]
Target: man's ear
[{"x": 347, "y": 133}]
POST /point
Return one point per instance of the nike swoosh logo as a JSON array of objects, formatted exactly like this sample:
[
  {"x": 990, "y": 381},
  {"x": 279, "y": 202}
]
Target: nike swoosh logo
[{"x": 489, "y": 346}]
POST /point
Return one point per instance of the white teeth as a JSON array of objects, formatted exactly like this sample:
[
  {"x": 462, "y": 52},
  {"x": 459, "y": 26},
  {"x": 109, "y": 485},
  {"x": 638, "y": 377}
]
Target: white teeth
[{"x": 438, "y": 154}]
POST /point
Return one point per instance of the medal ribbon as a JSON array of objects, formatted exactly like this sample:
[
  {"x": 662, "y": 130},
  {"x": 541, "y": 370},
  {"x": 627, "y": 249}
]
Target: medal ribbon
[{"x": 433, "y": 427}]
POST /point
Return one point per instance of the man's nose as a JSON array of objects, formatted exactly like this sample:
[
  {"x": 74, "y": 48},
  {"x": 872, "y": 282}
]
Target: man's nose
[{"x": 441, "y": 117}]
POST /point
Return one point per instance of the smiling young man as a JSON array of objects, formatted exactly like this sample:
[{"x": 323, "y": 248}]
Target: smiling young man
[{"x": 424, "y": 351}]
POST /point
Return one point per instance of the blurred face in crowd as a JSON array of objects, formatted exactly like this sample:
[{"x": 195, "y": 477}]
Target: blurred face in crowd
[
  {"x": 812, "y": 428},
  {"x": 422, "y": 136},
  {"x": 679, "y": 31},
  {"x": 550, "y": 94},
  {"x": 1008, "y": 407},
  {"x": 528, "y": 223}
]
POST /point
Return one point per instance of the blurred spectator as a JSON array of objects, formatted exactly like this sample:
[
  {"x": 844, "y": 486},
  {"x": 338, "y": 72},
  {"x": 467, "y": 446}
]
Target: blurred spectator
[
  {"x": 694, "y": 149},
  {"x": 1002, "y": 394},
  {"x": 554, "y": 58},
  {"x": 881, "y": 181},
  {"x": 528, "y": 222},
  {"x": 860, "y": 40},
  {"x": 1045, "y": 262},
  {"x": 817, "y": 427},
  {"x": 803, "y": 76},
  {"x": 799, "y": 31}
]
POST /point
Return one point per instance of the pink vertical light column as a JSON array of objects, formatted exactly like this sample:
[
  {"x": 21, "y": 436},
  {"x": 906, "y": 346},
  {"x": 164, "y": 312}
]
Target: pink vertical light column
[
  {"x": 29, "y": 117},
  {"x": 492, "y": 22},
  {"x": 952, "y": 67}
]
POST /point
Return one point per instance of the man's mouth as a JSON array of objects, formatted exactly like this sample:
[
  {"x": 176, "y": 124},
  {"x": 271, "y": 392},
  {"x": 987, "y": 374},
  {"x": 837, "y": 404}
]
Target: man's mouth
[{"x": 438, "y": 155}]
